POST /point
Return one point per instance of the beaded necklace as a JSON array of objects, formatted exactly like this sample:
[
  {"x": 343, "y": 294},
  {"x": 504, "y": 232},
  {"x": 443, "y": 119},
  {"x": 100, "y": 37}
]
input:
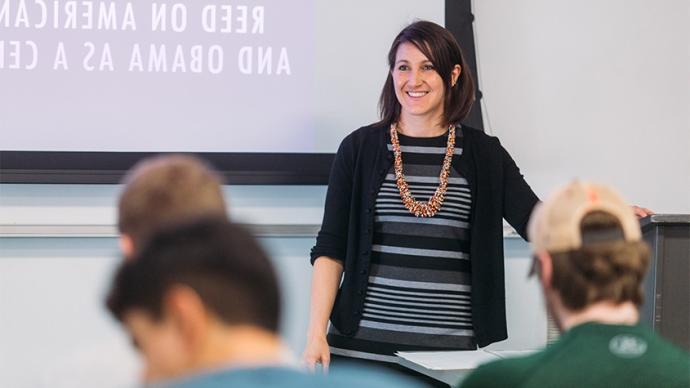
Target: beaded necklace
[{"x": 433, "y": 205}]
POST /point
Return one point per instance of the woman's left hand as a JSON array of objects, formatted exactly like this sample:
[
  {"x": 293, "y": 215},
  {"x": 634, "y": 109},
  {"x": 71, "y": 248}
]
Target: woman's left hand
[{"x": 642, "y": 212}]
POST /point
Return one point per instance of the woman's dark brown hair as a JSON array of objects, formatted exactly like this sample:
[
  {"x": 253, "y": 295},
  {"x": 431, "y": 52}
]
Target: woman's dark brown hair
[{"x": 444, "y": 52}]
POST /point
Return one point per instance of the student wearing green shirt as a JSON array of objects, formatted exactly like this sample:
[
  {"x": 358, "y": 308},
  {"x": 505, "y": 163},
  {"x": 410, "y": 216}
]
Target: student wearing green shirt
[{"x": 590, "y": 261}]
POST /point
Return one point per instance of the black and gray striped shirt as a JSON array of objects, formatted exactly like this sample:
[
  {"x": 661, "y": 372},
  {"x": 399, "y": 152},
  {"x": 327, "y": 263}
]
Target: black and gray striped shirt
[{"x": 418, "y": 294}]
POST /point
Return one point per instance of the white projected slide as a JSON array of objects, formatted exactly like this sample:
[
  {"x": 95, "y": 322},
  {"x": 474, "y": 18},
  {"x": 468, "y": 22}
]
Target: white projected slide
[{"x": 194, "y": 75}]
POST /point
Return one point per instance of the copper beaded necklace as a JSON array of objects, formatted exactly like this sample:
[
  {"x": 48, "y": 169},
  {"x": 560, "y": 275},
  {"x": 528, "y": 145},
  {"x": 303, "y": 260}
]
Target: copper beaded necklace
[{"x": 433, "y": 205}]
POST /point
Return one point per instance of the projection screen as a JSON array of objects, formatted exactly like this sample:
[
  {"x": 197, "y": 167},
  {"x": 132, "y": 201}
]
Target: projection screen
[{"x": 265, "y": 90}]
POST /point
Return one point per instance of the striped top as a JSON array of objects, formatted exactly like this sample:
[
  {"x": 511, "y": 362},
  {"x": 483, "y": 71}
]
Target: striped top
[{"x": 418, "y": 294}]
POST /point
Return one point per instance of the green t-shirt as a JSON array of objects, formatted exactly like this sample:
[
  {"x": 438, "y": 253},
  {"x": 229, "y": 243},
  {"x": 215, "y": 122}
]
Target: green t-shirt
[{"x": 593, "y": 355}]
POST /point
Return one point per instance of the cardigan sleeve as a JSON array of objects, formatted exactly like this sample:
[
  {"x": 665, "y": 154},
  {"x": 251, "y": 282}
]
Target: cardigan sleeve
[
  {"x": 331, "y": 240},
  {"x": 518, "y": 198}
]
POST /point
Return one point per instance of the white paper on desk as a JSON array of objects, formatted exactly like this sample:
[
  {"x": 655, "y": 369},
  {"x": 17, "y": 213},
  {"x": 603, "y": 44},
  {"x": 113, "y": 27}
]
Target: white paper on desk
[
  {"x": 452, "y": 360},
  {"x": 511, "y": 353}
]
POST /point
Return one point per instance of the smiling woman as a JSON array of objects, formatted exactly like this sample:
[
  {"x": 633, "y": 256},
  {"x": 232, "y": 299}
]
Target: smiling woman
[
  {"x": 418, "y": 244},
  {"x": 426, "y": 66}
]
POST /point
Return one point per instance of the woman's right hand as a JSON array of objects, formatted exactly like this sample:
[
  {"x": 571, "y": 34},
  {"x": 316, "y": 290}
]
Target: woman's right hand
[
  {"x": 324, "y": 287},
  {"x": 317, "y": 352}
]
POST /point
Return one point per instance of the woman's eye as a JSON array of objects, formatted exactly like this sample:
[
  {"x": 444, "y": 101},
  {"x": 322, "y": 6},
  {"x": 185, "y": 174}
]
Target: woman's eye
[
  {"x": 428, "y": 67},
  {"x": 403, "y": 68}
]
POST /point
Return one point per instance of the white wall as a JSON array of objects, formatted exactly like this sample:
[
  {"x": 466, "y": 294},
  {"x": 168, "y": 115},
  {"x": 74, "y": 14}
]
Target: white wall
[{"x": 592, "y": 89}]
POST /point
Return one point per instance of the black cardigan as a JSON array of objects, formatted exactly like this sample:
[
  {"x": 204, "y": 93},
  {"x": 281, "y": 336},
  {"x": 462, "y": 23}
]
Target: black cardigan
[{"x": 498, "y": 191}]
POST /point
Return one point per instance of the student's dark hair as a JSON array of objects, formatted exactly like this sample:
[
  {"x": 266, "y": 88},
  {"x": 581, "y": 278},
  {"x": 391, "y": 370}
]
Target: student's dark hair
[
  {"x": 444, "y": 52},
  {"x": 220, "y": 261}
]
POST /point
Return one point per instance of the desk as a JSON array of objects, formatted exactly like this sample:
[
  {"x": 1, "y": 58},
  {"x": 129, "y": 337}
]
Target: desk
[
  {"x": 666, "y": 306},
  {"x": 453, "y": 366}
]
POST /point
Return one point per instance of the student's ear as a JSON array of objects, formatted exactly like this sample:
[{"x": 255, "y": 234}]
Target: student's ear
[
  {"x": 127, "y": 246},
  {"x": 188, "y": 313},
  {"x": 545, "y": 269}
]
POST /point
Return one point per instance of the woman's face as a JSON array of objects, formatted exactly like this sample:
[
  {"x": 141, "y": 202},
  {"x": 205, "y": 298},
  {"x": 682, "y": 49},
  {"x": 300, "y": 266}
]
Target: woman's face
[{"x": 418, "y": 87}]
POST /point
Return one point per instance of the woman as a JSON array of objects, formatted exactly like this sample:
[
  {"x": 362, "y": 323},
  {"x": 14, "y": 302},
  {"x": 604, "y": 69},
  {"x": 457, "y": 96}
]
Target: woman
[{"x": 413, "y": 218}]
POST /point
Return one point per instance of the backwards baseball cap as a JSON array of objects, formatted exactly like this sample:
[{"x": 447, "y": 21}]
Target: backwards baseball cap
[{"x": 555, "y": 225}]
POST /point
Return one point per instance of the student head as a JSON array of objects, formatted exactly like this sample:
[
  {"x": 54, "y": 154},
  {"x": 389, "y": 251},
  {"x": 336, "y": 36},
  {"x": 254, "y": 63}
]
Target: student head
[
  {"x": 588, "y": 250},
  {"x": 164, "y": 190},
  {"x": 193, "y": 295},
  {"x": 426, "y": 56}
]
